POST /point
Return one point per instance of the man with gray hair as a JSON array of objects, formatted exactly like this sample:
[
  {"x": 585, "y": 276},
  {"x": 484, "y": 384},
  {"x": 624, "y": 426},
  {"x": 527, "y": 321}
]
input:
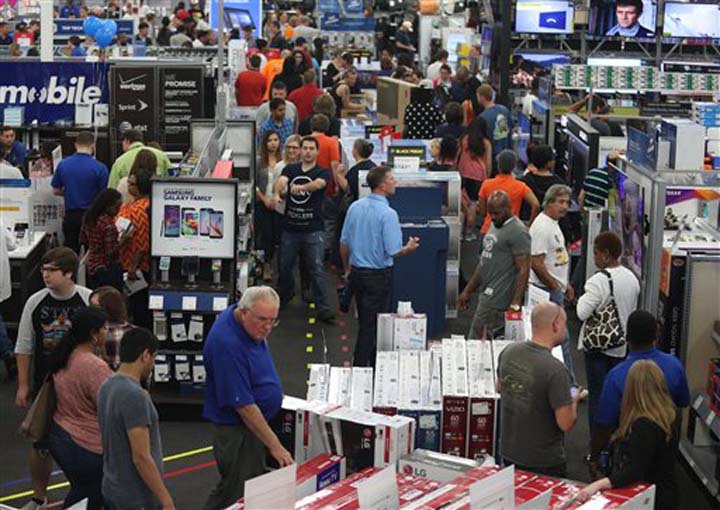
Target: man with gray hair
[
  {"x": 502, "y": 272},
  {"x": 550, "y": 261},
  {"x": 243, "y": 393}
]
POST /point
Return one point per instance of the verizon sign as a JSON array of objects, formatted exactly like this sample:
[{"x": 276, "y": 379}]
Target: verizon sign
[{"x": 134, "y": 99}]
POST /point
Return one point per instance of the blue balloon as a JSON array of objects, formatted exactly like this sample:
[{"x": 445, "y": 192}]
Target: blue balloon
[
  {"x": 91, "y": 25},
  {"x": 110, "y": 25},
  {"x": 104, "y": 37}
]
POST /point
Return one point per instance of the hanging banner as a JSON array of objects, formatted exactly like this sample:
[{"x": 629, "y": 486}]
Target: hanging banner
[
  {"x": 238, "y": 14},
  {"x": 64, "y": 28},
  {"x": 344, "y": 16},
  {"x": 49, "y": 92},
  {"x": 133, "y": 99}
]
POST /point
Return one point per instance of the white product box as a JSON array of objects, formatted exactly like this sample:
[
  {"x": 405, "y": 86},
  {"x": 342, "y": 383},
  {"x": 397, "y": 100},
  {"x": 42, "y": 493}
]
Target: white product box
[
  {"x": 182, "y": 368},
  {"x": 161, "y": 373},
  {"x": 409, "y": 380},
  {"x": 385, "y": 325},
  {"x": 410, "y": 333},
  {"x": 361, "y": 389},
  {"x": 309, "y": 440},
  {"x": 386, "y": 380},
  {"x": 318, "y": 382},
  {"x": 198, "y": 369},
  {"x": 434, "y": 465},
  {"x": 454, "y": 367},
  {"x": 339, "y": 388}
]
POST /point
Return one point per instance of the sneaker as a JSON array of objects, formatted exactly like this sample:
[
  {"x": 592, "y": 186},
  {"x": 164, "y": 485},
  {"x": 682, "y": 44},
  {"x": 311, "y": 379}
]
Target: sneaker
[
  {"x": 34, "y": 505},
  {"x": 579, "y": 393}
]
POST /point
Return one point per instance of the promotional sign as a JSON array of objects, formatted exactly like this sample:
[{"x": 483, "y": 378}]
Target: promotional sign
[
  {"x": 344, "y": 16},
  {"x": 400, "y": 151},
  {"x": 194, "y": 218},
  {"x": 133, "y": 99},
  {"x": 49, "y": 91},
  {"x": 181, "y": 101},
  {"x": 64, "y": 28},
  {"x": 642, "y": 149},
  {"x": 238, "y": 14}
]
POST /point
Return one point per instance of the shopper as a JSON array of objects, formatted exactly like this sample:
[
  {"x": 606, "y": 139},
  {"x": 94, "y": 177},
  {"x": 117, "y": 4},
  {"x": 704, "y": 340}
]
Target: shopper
[
  {"x": 646, "y": 441},
  {"x": 304, "y": 97},
  {"x": 289, "y": 75},
  {"x": 641, "y": 333},
  {"x": 599, "y": 107},
  {"x": 132, "y": 448},
  {"x": 250, "y": 84},
  {"x": 341, "y": 92},
  {"x": 302, "y": 228},
  {"x": 46, "y": 317},
  {"x": 78, "y": 370},
  {"x": 7, "y": 244},
  {"x": 433, "y": 70},
  {"x": 143, "y": 35},
  {"x": 43, "y": 165},
  {"x": 349, "y": 182},
  {"x": 265, "y": 219},
  {"x": 79, "y": 178},
  {"x": 453, "y": 122},
  {"x": 550, "y": 261},
  {"x": 498, "y": 118},
  {"x": 403, "y": 40},
  {"x": 112, "y": 301},
  {"x": 537, "y": 409},
  {"x": 599, "y": 183},
  {"x": 100, "y": 235},
  {"x": 324, "y": 104},
  {"x": 371, "y": 238},
  {"x": 599, "y": 294},
  {"x": 243, "y": 393},
  {"x": 474, "y": 162},
  {"x": 5, "y": 37},
  {"x": 275, "y": 37},
  {"x": 421, "y": 117},
  {"x": 540, "y": 176},
  {"x": 144, "y": 159},
  {"x": 277, "y": 91},
  {"x": 132, "y": 143},
  {"x": 135, "y": 247},
  {"x": 164, "y": 34},
  {"x": 502, "y": 272},
  {"x": 15, "y": 152},
  {"x": 517, "y": 190},
  {"x": 447, "y": 156},
  {"x": 277, "y": 122}
]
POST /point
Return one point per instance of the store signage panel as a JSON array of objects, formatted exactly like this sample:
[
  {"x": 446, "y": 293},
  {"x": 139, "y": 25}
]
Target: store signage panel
[
  {"x": 642, "y": 149},
  {"x": 182, "y": 100},
  {"x": 49, "y": 91},
  {"x": 67, "y": 27},
  {"x": 238, "y": 14},
  {"x": 194, "y": 218},
  {"x": 133, "y": 95}
]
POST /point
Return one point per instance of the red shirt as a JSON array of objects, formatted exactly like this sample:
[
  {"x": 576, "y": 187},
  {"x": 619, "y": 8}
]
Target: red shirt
[
  {"x": 103, "y": 242},
  {"x": 250, "y": 88},
  {"x": 303, "y": 98}
]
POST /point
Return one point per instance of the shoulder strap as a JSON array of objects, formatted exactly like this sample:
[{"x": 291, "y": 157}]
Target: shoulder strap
[{"x": 610, "y": 281}]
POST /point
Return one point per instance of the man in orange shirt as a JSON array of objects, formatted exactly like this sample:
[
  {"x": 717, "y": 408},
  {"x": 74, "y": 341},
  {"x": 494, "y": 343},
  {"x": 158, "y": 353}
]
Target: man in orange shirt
[
  {"x": 329, "y": 150},
  {"x": 272, "y": 68},
  {"x": 517, "y": 190}
]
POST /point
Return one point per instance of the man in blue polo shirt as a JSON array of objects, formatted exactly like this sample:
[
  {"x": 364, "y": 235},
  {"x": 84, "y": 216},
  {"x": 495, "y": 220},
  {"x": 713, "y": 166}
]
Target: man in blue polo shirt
[
  {"x": 79, "y": 178},
  {"x": 243, "y": 393},
  {"x": 15, "y": 151},
  {"x": 641, "y": 336},
  {"x": 371, "y": 238}
]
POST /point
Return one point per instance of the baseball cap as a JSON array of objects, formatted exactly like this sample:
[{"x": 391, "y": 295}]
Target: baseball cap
[{"x": 408, "y": 25}]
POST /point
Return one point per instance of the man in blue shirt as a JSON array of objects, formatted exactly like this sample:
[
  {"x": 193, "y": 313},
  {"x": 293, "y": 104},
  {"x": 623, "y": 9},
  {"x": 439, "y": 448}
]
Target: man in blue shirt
[
  {"x": 641, "y": 336},
  {"x": 79, "y": 178},
  {"x": 242, "y": 393},
  {"x": 498, "y": 118},
  {"x": 15, "y": 151},
  {"x": 277, "y": 122},
  {"x": 69, "y": 10},
  {"x": 371, "y": 238}
]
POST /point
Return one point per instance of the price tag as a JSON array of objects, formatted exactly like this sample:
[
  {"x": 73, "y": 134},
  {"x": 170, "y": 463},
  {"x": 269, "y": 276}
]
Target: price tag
[
  {"x": 189, "y": 302},
  {"x": 156, "y": 302},
  {"x": 406, "y": 164},
  {"x": 710, "y": 419},
  {"x": 219, "y": 304}
]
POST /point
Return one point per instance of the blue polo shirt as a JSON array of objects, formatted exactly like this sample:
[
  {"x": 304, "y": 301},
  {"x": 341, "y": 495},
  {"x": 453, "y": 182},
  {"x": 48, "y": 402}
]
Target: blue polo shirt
[
  {"x": 608, "y": 411},
  {"x": 17, "y": 154},
  {"x": 372, "y": 232},
  {"x": 83, "y": 177},
  {"x": 239, "y": 372}
]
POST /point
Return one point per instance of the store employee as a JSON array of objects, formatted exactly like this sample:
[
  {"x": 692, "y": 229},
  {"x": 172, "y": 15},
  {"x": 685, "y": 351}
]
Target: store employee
[
  {"x": 371, "y": 238},
  {"x": 15, "y": 152},
  {"x": 243, "y": 393}
]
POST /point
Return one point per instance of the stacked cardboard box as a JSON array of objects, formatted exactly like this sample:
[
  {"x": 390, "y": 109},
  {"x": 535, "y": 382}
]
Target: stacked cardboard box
[
  {"x": 435, "y": 466},
  {"x": 397, "y": 333},
  {"x": 455, "y": 410},
  {"x": 482, "y": 421}
]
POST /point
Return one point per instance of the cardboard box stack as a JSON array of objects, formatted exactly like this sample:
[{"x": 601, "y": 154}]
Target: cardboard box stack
[
  {"x": 482, "y": 419},
  {"x": 455, "y": 410},
  {"x": 401, "y": 332}
]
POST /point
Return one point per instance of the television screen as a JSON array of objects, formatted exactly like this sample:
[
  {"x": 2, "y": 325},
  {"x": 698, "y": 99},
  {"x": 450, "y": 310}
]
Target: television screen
[
  {"x": 528, "y": 66},
  {"x": 623, "y": 18},
  {"x": 525, "y": 131},
  {"x": 553, "y": 17},
  {"x": 577, "y": 163},
  {"x": 692, "y": 20},
  {"x": 627, "y": 222}
]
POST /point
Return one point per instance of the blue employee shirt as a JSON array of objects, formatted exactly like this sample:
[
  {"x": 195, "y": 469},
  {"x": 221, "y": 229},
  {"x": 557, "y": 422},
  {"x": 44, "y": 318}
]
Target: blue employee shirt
[
  {"x": 83, "y": 177},
  {"x": 372, "y": 232},
  {"x": 16, "y": 156},
  {"x": 239, "y": 372},
  {"x": 608, "y": 412}
]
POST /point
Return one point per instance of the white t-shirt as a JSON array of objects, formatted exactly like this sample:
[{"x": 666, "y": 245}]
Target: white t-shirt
[
  {"x": 433, "y": 70},
  {"x": 547, "y": 239},
  {"x": 626, "y": 290},
  {"x": 527, "y": 103}
]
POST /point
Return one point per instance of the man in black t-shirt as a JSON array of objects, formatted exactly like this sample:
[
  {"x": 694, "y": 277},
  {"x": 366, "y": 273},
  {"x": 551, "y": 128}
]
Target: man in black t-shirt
[{"x": 303, "y": 185}]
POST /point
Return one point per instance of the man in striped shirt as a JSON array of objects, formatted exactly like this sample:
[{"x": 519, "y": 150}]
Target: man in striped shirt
[{"x": 598, "y": 183}]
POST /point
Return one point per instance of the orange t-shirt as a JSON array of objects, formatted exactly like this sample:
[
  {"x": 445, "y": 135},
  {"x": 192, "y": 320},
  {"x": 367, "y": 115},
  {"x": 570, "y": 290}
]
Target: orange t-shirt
[
  {"x": 517, "y": 190},
  {"x": 270, "y": 71},
  {"x": 328, "y": 152}
]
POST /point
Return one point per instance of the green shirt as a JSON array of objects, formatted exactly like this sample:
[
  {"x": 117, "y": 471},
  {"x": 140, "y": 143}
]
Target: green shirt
[{"x": 123, "y": 164}]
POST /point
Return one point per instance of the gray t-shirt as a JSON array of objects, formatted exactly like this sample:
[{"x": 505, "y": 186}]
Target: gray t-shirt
[
  {"x": 497, "y": 263},
  {"x": 123, "y": 405},
  {"x": 532, "y": 385}
]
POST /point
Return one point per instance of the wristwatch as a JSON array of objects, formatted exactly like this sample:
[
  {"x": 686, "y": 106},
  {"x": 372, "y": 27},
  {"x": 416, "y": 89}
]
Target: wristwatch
[{"x": 515, "y": 308}]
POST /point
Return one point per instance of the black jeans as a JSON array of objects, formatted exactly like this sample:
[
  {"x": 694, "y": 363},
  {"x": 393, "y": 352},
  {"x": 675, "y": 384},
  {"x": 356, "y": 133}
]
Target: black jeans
[
  {"x": 372, "y": 289},
  {"x": 108, "y": 275},
  {"x": 553, "y": 471},
  {"x": 139, "y": 307},
  {"x": 83, "y": 468},
  {"x": 71, "y": 228}
]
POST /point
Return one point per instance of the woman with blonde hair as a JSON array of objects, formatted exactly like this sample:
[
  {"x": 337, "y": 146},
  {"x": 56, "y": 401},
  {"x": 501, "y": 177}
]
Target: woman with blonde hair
[{"x": 645, "y": 443}]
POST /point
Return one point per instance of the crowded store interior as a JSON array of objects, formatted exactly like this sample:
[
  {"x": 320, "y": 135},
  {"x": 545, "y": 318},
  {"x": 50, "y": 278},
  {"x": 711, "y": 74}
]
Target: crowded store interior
[{"x": 359, "y": 254}]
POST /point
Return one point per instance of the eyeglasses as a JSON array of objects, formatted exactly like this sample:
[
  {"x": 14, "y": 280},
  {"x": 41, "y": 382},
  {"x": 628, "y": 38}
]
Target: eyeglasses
[
  {"x": 273, "y": 321},
  {"x": 49, "y": 269}
]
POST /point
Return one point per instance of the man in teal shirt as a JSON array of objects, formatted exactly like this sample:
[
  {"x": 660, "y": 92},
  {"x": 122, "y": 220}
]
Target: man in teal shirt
[{"x": 132, "y": 143}]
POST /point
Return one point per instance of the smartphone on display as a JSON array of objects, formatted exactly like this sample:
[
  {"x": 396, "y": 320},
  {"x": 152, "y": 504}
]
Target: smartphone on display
[
  {"x": 216, "y": 225},
  {"x": 172, "y": 221},
  {"x": 190, "y": 221},
  {"x": 205, "y": 221}
]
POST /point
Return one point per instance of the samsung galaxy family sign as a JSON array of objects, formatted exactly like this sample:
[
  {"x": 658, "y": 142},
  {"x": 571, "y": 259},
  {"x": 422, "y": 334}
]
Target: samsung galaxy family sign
[{"x": 49, "y": 92}]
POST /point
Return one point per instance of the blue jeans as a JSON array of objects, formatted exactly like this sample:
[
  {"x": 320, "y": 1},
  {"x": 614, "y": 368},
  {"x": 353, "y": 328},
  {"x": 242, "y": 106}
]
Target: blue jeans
[
  {"x": 558, "y": 297},
  {"x": 83, "y": 468},
  {"x": 311, "y": 248},
  {"x": 597, "y": 366}
]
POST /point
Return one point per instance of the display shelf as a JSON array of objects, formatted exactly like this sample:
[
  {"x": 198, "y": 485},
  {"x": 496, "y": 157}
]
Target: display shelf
[
  {"x": 171, "y": 395},
  {"x": 197, "y": 300},
  {"x": 701, "y": 405},
  {"x": 702, "y": 460}
]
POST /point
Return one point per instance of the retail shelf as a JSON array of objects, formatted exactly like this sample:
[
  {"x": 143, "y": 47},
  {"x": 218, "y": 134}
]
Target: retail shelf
[
  {"x": 164, "y": 395},
  {"x": 711, "y": 419},
  {"x": 702, "y": 460},
  {"x": 716, "y": 337},
  {"x": 188, "y": 300}
]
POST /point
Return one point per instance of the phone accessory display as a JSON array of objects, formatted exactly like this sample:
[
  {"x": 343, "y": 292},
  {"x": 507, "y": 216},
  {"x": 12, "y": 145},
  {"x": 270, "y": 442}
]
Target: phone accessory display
[
  {"x": 164, "y": 267},
  {"x": 161, "y": 373},
  {"x": 216, "y": 268},
  {"x": 160, "y": 326},
  {"x": 198, "y": 369},
  {"x": 190, "y": 269},
  {"x": 182, "y": 368},
  {"x": 195, "y": 329},
  {"x": 177, "y": 328}
]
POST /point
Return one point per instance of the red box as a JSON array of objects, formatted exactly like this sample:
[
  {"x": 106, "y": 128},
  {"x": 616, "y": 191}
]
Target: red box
[
  {"x": 454, "y": 426},
  {"x": 335, "y": 492},
  {"x": 563, "y": 493},
  {"x": 640, "y": 496},
  {"x": 481, "y": 427}
]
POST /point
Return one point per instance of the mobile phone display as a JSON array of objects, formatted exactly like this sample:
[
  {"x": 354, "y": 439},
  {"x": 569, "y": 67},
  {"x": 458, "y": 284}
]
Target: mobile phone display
[
  {"x": 190, "y": 222},
  {"x": 205, "y": 221},
  {"x": 172, "y": 221},
  {"x": 216, "y": 224}
]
